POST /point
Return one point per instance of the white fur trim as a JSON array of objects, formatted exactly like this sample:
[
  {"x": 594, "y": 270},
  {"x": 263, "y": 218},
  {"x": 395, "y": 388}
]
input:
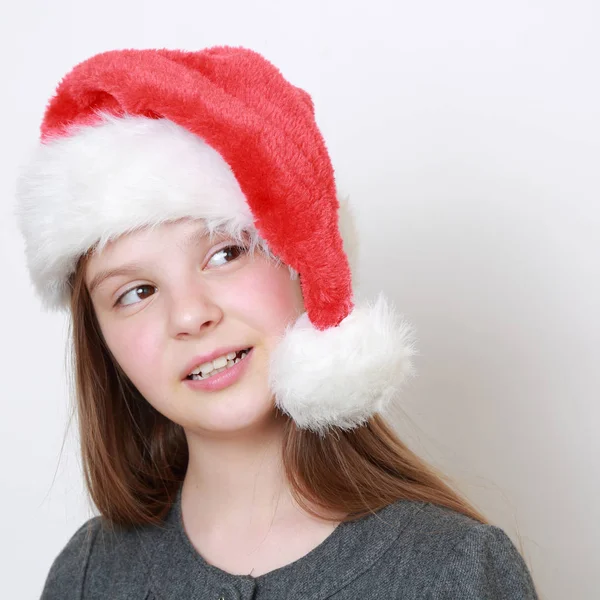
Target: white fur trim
[
  {"x": 101, "y": 181},
  {"x": 342, "y": 376},
  {"x": 104, "y": 180}
]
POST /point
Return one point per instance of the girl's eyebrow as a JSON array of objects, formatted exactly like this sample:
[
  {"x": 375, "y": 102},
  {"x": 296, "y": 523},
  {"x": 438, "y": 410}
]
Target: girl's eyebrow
[
  {"x": 192, "y": 240},
  {"x": 203, "y": 236},
  {"x": 102, "y": 276}
]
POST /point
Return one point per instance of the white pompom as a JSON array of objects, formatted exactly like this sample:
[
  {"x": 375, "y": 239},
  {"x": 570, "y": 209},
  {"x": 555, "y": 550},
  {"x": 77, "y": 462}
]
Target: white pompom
[{"x": 343, "y": 375}]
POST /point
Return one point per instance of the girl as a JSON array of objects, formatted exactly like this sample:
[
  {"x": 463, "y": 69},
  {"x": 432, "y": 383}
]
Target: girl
[{"x": 182, "y": 206}]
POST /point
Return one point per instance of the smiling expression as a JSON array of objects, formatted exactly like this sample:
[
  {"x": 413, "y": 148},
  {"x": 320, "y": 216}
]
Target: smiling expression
[{"x": 166, "y": 296}]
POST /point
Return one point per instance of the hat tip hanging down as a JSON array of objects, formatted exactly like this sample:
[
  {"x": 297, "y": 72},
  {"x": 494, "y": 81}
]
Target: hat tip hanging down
[
  {"x": 209, "y": 115},
  {"x": 343, "y": 375}
]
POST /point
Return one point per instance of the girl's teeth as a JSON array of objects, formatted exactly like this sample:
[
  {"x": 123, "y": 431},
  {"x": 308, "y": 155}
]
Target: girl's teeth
[
  {"x": 220, "y": 362},
  {"x": 218, "y": 365}
]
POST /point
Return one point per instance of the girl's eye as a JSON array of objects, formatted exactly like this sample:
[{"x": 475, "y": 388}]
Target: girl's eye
[
  {"x": 225, "y": 255},
  {"x": 133, "y": 294},
  {"x": 140, "y": 292}
]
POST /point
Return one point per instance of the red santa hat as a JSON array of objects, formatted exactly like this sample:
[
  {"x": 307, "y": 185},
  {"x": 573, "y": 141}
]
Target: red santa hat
[{"x": 135, "y": 138}]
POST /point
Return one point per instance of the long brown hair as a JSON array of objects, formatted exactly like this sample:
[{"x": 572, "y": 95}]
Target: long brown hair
[{"x": 134, "y": 459}]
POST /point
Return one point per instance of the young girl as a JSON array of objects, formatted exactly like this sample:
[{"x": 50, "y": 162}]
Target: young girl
[{"x": 182, "y": 206}]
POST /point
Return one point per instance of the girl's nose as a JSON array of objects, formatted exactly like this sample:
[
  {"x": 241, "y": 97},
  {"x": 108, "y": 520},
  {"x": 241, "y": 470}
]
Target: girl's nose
[{"x": 193, "y": 311}]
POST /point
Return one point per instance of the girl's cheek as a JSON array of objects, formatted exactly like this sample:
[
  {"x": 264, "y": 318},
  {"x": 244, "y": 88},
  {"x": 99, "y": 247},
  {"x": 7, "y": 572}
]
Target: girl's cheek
[
  {"x": 265, "y": 296},
  {"x": 147, "y": 349},
  {"x": 136, "y": 349}
]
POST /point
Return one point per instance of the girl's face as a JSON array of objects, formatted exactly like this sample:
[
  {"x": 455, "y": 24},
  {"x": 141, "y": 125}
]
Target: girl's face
[{"x": 174, "y": 297}]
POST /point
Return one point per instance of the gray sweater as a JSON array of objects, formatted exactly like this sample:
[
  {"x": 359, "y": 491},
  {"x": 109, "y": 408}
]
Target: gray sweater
[{"x": 408, "y": 550}]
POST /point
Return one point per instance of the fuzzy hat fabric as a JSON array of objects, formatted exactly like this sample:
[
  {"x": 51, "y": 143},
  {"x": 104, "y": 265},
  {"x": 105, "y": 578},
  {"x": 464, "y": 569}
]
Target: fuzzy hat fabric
[{"x": 135, "y": 138}]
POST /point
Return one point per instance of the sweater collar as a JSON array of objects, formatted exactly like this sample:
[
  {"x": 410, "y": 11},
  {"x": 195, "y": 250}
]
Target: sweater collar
[{"x": 178, "y": 571}]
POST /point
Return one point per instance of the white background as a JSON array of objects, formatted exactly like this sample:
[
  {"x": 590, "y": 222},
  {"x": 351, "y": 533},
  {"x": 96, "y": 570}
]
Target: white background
[{"x": 467, "y": 135}]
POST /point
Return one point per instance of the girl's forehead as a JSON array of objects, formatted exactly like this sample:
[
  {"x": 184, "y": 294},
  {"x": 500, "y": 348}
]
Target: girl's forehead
[
  {"x": 184, "y": 235},
  {"x": 184, "y": 232}
]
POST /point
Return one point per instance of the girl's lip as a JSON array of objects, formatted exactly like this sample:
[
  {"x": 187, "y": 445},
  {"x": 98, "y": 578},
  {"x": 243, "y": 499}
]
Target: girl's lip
[
  {"x": 200, "y": 360},
  {"x": 223, "y": 379}
]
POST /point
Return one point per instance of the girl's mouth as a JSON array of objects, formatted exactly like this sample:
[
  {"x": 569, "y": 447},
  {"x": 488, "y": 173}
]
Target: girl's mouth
[{"x": 218, "y": 365}]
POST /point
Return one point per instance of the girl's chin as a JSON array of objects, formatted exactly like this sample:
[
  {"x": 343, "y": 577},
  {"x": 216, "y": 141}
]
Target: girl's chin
[{"x": 230, "y": 420}]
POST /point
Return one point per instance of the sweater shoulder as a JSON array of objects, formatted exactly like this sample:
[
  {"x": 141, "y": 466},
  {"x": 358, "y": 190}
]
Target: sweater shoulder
[
  {"x": 100, "y": 560},
  {"x": 67, "y": 572},
  {"x": 484, "y": 563},
  {"x": 455, "y": 556}
]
